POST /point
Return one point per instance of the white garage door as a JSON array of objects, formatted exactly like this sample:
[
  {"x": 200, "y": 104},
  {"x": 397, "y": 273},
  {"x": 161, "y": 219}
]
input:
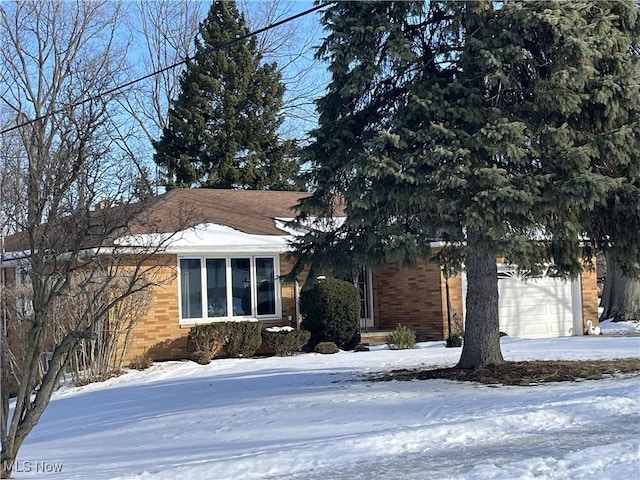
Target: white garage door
[{"x": 537, "y": 307}]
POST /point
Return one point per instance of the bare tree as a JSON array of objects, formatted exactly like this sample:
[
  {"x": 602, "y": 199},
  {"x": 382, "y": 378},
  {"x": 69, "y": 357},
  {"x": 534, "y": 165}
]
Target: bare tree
[
  {"x": 292, "y": 46},
  {"x": 56, "y": 62},
  {"x": 163, "y": 33},
  {"x": 91, "y": 300}
]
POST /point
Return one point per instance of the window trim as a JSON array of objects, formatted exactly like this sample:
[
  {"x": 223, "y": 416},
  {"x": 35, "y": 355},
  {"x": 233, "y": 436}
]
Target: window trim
[{"x": 228, "y": 274}]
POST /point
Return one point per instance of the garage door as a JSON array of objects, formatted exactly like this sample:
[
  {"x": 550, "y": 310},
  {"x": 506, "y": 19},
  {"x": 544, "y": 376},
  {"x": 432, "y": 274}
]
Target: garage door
[
  {"x": 534, "y": 307},
  {"x": 537, "y": 307}
]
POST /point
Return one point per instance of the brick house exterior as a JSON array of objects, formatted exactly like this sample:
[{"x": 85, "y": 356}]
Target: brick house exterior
[{"x": 243, "y": 225}]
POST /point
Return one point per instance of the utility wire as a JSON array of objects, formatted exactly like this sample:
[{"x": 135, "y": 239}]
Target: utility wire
[{"x": 149, "y": 75}]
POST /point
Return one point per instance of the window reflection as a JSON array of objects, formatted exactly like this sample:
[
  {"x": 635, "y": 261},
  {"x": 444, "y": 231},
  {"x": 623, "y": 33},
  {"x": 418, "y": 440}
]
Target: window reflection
[
  {"x": 241, "y": 286},
  {"x": 265, "y": 278},
  {"x": 191, "y": 283},
  {"x": 216, "y": 287}
]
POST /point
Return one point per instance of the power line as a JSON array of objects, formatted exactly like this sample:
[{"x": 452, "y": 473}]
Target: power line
[{"x": 149, "y": 75}]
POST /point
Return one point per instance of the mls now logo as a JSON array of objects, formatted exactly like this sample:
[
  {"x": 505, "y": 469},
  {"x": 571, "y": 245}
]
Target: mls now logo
[{"x": 27, "y": 466}]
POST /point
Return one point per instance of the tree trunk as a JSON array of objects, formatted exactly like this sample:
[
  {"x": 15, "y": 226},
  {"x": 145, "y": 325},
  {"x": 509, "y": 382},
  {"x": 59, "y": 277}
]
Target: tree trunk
[
  {"x": 482, "y": 334},
  {"x": 620, "y": 295},
  {"x": 7, "y": 459}
]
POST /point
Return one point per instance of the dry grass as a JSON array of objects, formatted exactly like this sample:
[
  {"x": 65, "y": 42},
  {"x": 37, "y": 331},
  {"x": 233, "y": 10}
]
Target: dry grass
[{"x": 522, "y": 373}]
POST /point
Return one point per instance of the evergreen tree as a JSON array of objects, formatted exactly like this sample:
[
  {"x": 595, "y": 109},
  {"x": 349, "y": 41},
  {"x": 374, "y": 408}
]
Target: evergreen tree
[
  {"x": 509, "y": 128},
  {"x": 223, "y": 128}
]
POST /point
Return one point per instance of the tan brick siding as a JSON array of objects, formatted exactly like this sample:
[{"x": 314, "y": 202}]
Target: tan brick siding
[
  {"x": 159, "y": 334},
  {"x": 289, "y": 308},
  {"x": 589, "y": 285},
  {"x": 415, "y": 297}
]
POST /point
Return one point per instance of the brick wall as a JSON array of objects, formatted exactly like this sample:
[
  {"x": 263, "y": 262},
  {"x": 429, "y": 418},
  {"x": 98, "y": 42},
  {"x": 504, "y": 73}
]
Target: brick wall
[
  {"x": 589, "y": 284},
  {"x": 159, "y": 334},
  {"x": 288, "y": 291},
  {"x": 457, "y": 311},
  {"x": 415, "y": 297}
]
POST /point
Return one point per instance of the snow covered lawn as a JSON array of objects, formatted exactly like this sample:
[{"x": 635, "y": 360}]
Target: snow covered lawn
[{"x": 313, "y": 417}]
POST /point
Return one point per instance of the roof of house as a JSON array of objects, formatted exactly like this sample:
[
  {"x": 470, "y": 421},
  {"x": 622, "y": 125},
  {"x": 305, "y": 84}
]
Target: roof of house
[
  {"x": 249, "y": 211},
  {"x": 253, "y": 212}
]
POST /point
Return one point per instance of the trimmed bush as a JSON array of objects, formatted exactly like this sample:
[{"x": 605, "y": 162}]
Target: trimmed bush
[
  {"x": 244, "y": 339},
  {"x": 205, "y": 342},
  {"x": 285, "y": 340},
  {"x": 401, "y": 338},
  {"x": 326, "y": 348},
  {"x": 331, "y": 311}
]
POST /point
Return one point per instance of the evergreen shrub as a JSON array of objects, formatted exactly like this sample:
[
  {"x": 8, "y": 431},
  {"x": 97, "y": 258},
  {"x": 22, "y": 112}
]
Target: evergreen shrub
[
  {"x": 401, "y": 338},
  {"x": 331, "y": 311},
  {"x": 244, "y": 339},
  {"x": 285, "y": 341},
  {"x": 205, "y": 342},
  {"x": 454, "y": 340}
]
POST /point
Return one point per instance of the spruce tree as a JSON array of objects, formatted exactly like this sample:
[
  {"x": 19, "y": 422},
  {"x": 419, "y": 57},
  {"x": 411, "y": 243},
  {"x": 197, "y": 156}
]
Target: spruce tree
[
  {"x": 223, "y": 128},
  {"x": 509, "y": 128}
]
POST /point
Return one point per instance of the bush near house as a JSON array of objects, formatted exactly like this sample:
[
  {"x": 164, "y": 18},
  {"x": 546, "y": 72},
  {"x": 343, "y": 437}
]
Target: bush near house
[
  {"x": 205, "y": 342},
  {"x": 401, "y": 338},
  {"x": 244, "y": 339},
  {"x": 326, "y": 348},
  {"x": 232, "y": 339},
  {"x": 454, "y": 340},
  {"x": 331, "y": 311},
  {"x": 286, "y": 341},
  {"x": 141, "y": 362}
]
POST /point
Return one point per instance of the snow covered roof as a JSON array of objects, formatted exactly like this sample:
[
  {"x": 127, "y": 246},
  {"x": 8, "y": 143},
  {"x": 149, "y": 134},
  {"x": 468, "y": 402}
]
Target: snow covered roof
[{"x": 208, "y": 237}]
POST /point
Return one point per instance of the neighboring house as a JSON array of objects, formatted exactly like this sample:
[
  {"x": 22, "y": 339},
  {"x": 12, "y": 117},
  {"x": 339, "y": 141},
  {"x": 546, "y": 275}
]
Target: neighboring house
[{"x": 226, "y": 251}]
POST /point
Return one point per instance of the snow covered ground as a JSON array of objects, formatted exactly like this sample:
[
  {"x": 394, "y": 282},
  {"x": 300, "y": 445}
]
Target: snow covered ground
[{"x": 314, "y": 417}]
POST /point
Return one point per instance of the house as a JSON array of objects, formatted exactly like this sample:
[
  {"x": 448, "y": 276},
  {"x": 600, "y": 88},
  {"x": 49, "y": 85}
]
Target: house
[{"x": 224, "y": 252}]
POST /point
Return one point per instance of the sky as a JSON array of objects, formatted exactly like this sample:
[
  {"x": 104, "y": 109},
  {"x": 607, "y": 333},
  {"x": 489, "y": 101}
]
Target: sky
[{"x": 315, "y": 416}]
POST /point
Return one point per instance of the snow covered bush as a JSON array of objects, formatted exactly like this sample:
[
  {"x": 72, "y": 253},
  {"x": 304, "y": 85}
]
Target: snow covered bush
[
  {"x": 244, "y": 338},
  {"x": 285, "y": 340},
  {"x": 331, "y": 311},
  {"x": 205, "y": 342},
  {"x": 401, "y": 338}
]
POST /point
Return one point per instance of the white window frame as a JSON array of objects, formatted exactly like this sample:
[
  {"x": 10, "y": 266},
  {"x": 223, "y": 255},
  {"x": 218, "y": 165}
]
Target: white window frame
[{"x": 254, "y": 292}]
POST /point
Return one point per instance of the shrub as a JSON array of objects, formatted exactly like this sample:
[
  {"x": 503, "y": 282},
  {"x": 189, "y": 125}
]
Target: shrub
[
  {"x": 401, "y": 338},
  {"x": 326, "y": 348},
  {"x": 285, "y": 341},
  {"x": 331, "y": 311},
  {"x": 454, "y": 340},
  {"x": 244, "y": 338},
  {"x": 141, "y": 362},
  {"x": 205, "y": 342}
]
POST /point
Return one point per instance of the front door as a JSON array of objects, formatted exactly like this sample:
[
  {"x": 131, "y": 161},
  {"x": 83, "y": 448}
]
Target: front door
[{"x": 364, "y": 284}]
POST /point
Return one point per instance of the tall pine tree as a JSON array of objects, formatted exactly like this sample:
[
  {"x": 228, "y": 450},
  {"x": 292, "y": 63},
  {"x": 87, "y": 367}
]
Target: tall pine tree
[
  {"x": 509, "y": 128},
  {"x": 223, "y": 127}
]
